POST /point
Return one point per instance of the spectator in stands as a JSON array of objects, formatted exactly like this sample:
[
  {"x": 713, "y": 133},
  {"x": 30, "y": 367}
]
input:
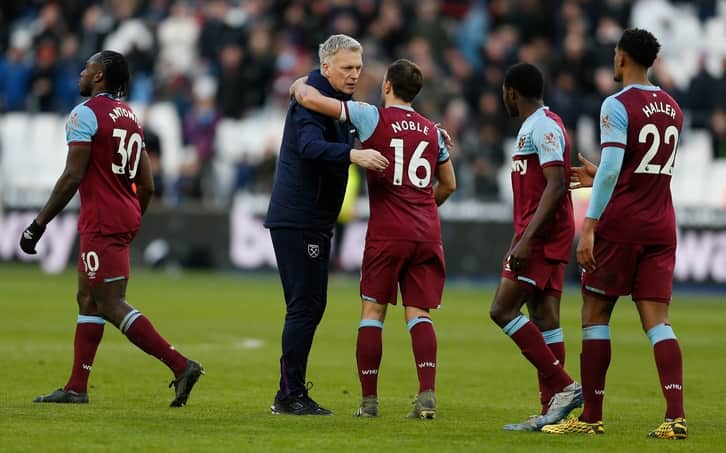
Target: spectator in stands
[
  {"x": 231, "y": 88},
  {"x": 257, "y": 68},
  {"x": 42, "y": 78},
  {"x": 177, "y": 36},
  {"x": 200, "y": 128},
  {"x": 69, "y": 65},
  {"x": 153, "y": 148},
  {"x": 15, "y": 73},
  {"x": 699, "y": 97},
  {"x": 255, "y": 48}
]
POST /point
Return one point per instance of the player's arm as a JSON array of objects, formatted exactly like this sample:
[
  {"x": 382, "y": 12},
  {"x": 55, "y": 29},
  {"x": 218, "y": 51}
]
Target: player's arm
[
  {"x": 549, "y": 143},
  {"x": 445, "y": 177},
  {"x": 555, "y": 189},
  {"x": 144, "y": 181},
  {"x": 445, "y": 182},
  {"x": 63, "y": 191},
  {"x": 613, "y": 137},
  {"x": 313, "y": 145},
  {"x": 76, "y": 163},
  {"x": 310, "y": 98},
  {"x": 80, "y": 129},
  {"x": 362, "y": 115},
  {"x": 582, "y": 176}
]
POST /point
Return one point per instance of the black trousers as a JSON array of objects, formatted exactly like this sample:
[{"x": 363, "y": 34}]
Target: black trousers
[{"x": 303, "y": 258}]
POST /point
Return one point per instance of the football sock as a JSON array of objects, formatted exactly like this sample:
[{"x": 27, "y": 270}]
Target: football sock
[
  {"x": 594, "y": 363},
  {"x": 669, "y": 362},
  {"x": 139, "y": 330},
  {"x": 555, "y": 340},
  {"x": 423, "y": 340},
  {"x": 368, "y": 353},
  {"x": 529, "y": 339},
  {"x": 89, "y": 332}
]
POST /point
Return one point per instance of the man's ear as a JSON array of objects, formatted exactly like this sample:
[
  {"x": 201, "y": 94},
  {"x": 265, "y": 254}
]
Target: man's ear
[
  {"x": 387, "y": 87},
  {"x": 620, "y": 59},
  {"x": 326, "y": 69},
  {"x": 98, "y": 76}
]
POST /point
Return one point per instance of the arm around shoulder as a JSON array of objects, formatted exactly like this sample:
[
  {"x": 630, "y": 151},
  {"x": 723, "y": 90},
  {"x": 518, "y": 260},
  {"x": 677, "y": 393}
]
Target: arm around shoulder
[{"x": 310, "y": 98}]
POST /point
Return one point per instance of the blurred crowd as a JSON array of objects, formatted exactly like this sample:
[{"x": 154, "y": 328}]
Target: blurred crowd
[{"x": 217, "y": 60}]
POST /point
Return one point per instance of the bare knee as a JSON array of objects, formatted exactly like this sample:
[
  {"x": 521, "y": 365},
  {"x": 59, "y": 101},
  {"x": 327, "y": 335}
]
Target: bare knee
[
  {"x": 501, "y": 313},
  {"x": 86, "y": 305},
  {"x": 545, "y": 317}
]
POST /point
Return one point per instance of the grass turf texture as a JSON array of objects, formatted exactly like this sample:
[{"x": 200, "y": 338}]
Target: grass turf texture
[{"x": 231, "y": 323}]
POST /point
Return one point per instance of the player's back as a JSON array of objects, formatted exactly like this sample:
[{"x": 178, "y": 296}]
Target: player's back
[
  {"x": 641, "y": 209},
  {"x": 108, "y": 200},
  {"x": 402, "y": 204}
]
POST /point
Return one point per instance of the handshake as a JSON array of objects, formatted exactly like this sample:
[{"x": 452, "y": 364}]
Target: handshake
[{"x": 30, "y": 237}]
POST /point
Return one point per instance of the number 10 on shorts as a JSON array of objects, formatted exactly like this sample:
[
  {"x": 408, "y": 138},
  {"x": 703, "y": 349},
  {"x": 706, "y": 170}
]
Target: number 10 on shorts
[{"x": 90, "y": 263}]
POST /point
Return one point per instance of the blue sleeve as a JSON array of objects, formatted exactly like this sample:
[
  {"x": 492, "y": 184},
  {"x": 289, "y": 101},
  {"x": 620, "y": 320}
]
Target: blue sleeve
[
  {"x": 549, "y": 142},
  {"x": 363, "y": 116},
  {"x": 443, "y": 152},
  {"x": 613, "y": 123},
  {"x": 81, "y": 125},
  {"x": 605, "y": 179},
  {"x": 311, "y": 137}
]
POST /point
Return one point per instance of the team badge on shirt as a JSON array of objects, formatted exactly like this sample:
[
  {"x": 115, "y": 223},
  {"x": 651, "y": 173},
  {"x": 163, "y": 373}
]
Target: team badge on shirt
[
  {"x": 605, "y": 122},
  {"x": 73, "y": 121}
]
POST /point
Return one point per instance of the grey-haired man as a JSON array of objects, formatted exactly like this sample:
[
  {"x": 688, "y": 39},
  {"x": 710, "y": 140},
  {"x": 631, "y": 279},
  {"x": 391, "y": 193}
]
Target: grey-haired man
[{"x": 310, "y": 181}]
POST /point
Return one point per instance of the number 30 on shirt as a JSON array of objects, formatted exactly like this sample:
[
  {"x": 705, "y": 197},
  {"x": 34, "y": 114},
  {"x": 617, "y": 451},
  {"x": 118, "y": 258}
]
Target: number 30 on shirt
[{"x": 130, "y": 152}]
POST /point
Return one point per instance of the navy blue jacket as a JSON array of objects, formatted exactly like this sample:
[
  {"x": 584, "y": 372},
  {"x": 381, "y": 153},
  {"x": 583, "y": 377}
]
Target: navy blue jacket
[{"x": 312, "y": 168}]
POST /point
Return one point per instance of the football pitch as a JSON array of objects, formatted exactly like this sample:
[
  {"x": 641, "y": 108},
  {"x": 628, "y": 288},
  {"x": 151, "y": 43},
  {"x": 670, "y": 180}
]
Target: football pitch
[{"x": 231, "y": 323}]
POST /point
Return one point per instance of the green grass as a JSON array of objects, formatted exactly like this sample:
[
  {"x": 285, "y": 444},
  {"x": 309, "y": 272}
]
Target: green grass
[{"x": 232, "y": 322}]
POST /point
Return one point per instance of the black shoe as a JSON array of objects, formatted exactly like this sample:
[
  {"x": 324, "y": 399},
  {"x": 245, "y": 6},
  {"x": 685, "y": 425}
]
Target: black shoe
[
  {"x": 63, "y": 396},
  {"x": 300, "y": 404},
  {"x": 185, "y": 382}
]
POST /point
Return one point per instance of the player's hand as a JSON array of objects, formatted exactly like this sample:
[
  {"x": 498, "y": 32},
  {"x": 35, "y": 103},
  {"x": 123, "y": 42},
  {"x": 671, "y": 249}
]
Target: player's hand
[
  {"x": 30, "y": 237},
  {"x": 519, "y": 255},
  {"x": 582, "y": 176},
  {"x": 585, "y": 255},
  {"x": 370, "y": 159},
  {"x": 448, "y": 141},
  {"x": 296, "y": 84}
]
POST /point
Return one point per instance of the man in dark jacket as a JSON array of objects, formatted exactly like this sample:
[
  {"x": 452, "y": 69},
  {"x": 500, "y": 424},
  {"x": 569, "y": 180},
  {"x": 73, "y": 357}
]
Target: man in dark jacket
[{"x": 310, "y": 181}]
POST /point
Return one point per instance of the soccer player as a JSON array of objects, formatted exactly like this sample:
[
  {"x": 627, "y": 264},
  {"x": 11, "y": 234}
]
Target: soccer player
[
  {"x": 310, "y": 182},
  {"x": 403, "y": 243},
  {"x": 108, "y": 164},
  {"x": 534, "y": 266},
  {"x": 628, "y": 243}
]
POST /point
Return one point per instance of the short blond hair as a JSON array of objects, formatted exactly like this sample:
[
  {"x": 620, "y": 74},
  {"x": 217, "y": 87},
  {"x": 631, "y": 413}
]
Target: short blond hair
[{"x": 333, "y": 44}]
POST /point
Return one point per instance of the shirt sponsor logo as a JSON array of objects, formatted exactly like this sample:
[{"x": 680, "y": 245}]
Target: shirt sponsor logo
[{"x": 519, "y": 166}]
